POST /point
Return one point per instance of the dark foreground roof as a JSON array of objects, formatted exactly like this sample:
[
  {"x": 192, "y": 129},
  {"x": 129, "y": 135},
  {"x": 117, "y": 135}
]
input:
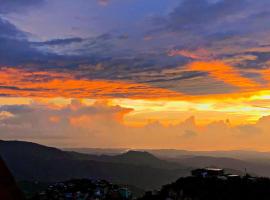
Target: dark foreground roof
[{"x": 8, "y": 187}]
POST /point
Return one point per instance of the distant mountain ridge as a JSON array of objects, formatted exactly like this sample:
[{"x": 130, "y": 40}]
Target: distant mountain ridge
[
  {"x": 257, "y": 163},
  {"x": 141, "y": 158},
  {"x": 176, "y": 153},
  {"x": 30, "y": 161},
  {"x": 236, "y": 154}
]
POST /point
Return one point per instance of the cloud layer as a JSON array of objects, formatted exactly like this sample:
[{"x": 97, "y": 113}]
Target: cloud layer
[
  {"x": 232, "y": 32},
  {"x": 205, "y": 57},
  {"x": 103, "y": 125}
]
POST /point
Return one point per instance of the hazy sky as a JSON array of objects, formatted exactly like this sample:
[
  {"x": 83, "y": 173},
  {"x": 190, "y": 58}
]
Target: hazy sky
[{"x": 185, "y": 74}]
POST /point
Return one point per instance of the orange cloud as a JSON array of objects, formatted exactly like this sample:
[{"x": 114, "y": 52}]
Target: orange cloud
[
  {"x": 21, "y": 83},
  {"x": 54, "y": 119},
  {"x": 266, "y": 74},
  {"x": 80, "y": 121},
  {"x": 220, "y": 71},
  {"x": 96, "y": 125},
  {"x": 27, "y": 84},
  {"x": 101, "y": 124}
]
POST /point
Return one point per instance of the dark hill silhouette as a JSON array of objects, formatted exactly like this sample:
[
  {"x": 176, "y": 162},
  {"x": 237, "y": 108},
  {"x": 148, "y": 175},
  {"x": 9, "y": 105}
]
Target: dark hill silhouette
[
  {"x": 8, "y": 187},
  {"x": 98, "y": 151},
  {"x": 233, "y": 165},
  {"x": 141, "y": 158},
  {"x": 29, "y": 161},
  {"x": 177, "y": 153},
  {"x": 31, "y": 150},
  {"x": 198, "y": 188},
  {"x": 144, "y": 158},
  {"x": 138, "y": 156},
  {"x": 236, "y": 154}
]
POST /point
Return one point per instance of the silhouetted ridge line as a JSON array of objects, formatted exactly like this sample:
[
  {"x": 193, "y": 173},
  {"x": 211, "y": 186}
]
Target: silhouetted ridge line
[
  {"x": 30, "y": 162},
  {"x": 8, "y": 187}
]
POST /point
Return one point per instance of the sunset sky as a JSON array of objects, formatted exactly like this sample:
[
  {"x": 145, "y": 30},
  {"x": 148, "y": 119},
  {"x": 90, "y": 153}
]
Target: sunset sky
[{"x": 181, "y": 74}]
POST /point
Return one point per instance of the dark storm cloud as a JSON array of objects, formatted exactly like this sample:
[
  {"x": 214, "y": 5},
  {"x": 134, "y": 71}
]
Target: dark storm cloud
[
  {"x": 124, "y": 54},
  {"x": 16, "y": 50},
  {"x": 228, "y": 29},
  {"x": 8, "y": 30},
  {"x": 60, "y": 41},
  {"x": 14, "y": 46},
  {"x": 196, "y": 14},
  {"x": 7, "y": 6},
  {"x": 204, "y": 22}
]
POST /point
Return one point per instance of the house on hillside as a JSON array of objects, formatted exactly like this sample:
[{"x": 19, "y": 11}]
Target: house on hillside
[
  {"x": 125, "y": 193},
  {"x": 208, "y": 172}
]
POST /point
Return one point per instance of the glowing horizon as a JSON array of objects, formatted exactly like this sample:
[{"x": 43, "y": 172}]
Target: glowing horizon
[{"x": 136, "y": 73}]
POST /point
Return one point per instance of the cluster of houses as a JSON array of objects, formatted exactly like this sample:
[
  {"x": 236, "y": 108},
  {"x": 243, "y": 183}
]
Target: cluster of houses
[
  {"x": 212, "y": 184},
  {"x": 213, "y": 172},
  {"x": 85, "y": 189}
]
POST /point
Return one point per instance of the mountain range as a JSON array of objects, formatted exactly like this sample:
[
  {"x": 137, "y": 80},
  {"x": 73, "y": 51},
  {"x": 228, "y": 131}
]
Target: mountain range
[
  {"x": 34, "y": 162},
  {"x": 144, "y": 169}
]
